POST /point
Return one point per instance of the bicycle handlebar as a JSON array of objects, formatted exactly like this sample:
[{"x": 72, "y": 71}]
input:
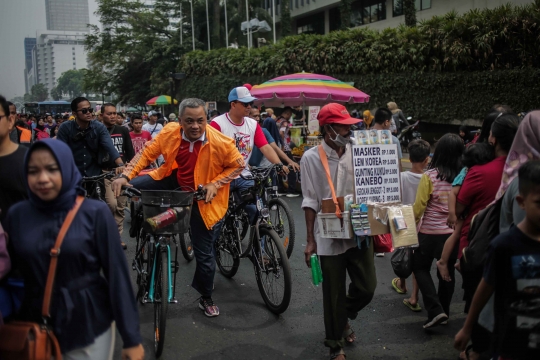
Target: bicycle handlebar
[
  {"x": 108, "y": 175},
  {"x": 263, "y": 172},
  {"x": 130, "y": 191}
]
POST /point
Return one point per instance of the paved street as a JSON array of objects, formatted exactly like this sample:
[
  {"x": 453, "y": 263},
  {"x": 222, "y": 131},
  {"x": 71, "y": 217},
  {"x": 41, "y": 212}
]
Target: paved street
[{"x": 385, "y": 329}]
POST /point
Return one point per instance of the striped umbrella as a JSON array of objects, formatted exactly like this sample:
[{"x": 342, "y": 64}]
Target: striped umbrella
[
  {"x": 306, "y": 89},
  {"x": 161, "y": 100}
]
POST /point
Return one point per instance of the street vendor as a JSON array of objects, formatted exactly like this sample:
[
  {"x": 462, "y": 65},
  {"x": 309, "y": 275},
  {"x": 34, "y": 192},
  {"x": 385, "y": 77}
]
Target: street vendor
[{"x": 337, "y": 256}]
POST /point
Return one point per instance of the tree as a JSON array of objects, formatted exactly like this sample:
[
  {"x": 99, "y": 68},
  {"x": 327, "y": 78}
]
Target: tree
[
  {"x": 409, "y": 10},
  {"x": 285, "y": 18},
  {"x": 28, "y": 98},
  {"x": 39, "y": 92},
  {"x": 345, "y": 8},
  {"x": 70, "y": 83},
  {"x": 55, "y": 94}
]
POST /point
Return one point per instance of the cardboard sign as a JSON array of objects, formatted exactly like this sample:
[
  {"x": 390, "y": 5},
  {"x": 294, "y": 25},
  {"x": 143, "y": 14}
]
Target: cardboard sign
[
  {"x": 313, "y": 112},
  {"x": 376, "y": 173}
]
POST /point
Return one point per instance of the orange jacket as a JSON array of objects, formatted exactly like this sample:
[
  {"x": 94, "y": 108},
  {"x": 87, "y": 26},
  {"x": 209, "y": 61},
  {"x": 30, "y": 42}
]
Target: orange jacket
[
  {"x": 26, "y": 135},
  {"x": 219, "y": 162}
]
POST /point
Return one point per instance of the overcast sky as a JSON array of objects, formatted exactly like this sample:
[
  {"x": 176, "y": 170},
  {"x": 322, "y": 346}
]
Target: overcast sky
[{"x": 20, "y": 19}]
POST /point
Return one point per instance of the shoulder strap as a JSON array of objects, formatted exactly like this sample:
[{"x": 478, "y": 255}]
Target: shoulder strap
[
  {"x": 324, "y": 161},
  {"x": 55, "y": 251}
]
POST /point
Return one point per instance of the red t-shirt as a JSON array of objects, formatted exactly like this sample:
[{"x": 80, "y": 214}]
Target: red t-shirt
[
  {"x": 186, "y": 160},
  {"x": 138, "y": 140},
  {"x": 478, "y": 191}
]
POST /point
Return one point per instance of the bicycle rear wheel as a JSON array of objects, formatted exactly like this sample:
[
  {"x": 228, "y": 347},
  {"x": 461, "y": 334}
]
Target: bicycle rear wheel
[
  {"x": 282, "y": 222},
  {"x": 227, "y": 258},
  {"x": 273, "y": 272},
  {"x": 161, "y": 300},
  {"x": 187, "y": 246}
]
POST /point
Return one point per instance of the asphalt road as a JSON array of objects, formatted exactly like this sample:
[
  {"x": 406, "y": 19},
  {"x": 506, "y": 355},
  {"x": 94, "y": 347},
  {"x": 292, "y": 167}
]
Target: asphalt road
[{"x": 245, "y": 329}]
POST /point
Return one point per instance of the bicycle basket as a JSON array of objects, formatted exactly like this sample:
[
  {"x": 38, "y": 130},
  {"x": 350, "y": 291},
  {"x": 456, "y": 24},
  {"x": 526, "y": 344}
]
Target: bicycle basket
[{"x": 156, "y": 202}]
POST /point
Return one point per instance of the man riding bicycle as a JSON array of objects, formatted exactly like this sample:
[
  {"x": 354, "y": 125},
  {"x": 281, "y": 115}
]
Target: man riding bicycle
[{"x": 194, "y": 154}]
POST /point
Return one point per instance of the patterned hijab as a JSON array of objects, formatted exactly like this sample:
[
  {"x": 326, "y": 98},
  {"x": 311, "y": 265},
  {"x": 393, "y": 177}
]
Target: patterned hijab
[
  {"x": 526, "y": 146},
  {"x": 368, "y": 118}
]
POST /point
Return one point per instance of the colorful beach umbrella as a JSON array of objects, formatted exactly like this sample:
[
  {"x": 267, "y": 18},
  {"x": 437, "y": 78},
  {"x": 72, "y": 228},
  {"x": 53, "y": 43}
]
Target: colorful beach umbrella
[
  {"x": 306, "y": 89},
  {"x": 161, "y": 100}
]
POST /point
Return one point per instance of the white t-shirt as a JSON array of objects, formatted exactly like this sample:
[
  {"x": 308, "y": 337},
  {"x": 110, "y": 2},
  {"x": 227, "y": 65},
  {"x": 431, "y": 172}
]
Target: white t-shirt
[
  {"x": 246, "y": 135},
  {"x": 153, "y": 129},
  {"x": 409, "y": 187}
]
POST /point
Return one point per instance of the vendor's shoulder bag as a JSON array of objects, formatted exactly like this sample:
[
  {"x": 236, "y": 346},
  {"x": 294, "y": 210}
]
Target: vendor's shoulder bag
[
  {"x": 22, "y": 340},
  {"x": 324, "y": 161}
]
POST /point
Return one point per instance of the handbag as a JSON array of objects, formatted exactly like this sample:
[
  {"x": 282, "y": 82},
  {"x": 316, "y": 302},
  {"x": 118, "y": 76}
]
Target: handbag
[
  {"x": 382, "y": 243},
  {"x": 25, "y": 340}
]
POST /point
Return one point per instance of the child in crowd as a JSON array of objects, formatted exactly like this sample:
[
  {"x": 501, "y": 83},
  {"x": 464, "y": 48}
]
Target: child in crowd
[
  {"x": 419, "y": 151},
  {"x": 512, "y": 272},
  {"x": 431, "y": 206},
  {"x": 285, "y": 133},
  {"x": 475, "y": 154}
]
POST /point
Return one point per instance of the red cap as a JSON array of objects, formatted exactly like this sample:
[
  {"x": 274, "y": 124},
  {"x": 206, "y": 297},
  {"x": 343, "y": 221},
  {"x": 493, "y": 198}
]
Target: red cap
[
  {"x": 334, "y": 113},
  {"x": 248, "y": 86}
]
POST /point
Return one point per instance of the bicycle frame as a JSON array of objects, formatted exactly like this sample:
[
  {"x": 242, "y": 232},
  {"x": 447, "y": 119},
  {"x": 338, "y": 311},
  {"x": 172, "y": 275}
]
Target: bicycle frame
[{"x": 169, "y": 270}]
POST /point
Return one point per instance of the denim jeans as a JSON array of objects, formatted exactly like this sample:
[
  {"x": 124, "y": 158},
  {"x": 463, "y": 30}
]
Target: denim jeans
[{"x": 201, "y": 238}]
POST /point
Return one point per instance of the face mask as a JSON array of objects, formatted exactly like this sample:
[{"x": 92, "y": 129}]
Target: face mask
[{"x": 340, "y": 141}]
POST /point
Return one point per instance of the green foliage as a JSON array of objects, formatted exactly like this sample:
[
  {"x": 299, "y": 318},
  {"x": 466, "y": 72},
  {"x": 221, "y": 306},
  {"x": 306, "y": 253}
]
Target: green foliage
[
  {"x": 502, "y": 38},
  {"x": 409, "y": 10},
  {"x": 55, "y": 94},
  {"x": 430, "y": 96},
  {"x": 69, "y": 83},
  {"x": 285, "y": 19},
  {"x": 345, "y": 9},
  {"x": 39, "y": 93}
]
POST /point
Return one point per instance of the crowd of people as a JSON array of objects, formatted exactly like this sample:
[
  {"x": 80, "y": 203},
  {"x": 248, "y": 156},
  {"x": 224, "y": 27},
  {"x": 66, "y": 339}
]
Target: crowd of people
[{"x": 43, "y": 161}]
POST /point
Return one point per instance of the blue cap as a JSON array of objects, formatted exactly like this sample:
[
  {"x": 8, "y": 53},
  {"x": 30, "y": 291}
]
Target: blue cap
[{"x": 241, "y": 94}]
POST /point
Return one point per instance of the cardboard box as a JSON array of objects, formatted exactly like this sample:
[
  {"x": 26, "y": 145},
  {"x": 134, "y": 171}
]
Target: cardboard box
[
  {"x": 332, "y": 227},
  {"x": 381, "y": 211},
  {"x": 328, "y": 206}
]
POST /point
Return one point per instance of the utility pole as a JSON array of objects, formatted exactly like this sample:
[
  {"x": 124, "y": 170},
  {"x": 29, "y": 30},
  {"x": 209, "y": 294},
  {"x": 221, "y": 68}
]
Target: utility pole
[
  {"x": 248, "y": 24},
  {"x": 192, "y": 26},
  {"x": 274, "y": 18},
  {"x": 226, "y": 27},
  {"x": 181, "y": 25},
  {"x": 208, "y": 25}
]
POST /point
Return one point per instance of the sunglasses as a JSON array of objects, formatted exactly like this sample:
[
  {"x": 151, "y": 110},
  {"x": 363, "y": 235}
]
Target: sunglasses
[
  {"x": 84, "y": 111},
  {"x": 245, "y": 104}
]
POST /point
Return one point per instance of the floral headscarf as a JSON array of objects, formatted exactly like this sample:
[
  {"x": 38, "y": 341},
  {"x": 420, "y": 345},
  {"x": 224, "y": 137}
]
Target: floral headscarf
[{"x": 526, "y": 146}]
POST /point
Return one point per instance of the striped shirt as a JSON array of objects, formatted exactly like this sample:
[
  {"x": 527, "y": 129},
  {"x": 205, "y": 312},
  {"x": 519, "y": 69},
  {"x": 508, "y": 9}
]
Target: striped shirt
[{"x": 432, "y": 203}]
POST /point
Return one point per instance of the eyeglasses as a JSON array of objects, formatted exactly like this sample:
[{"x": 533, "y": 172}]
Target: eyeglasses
[
  {"x": 84, "y": 111},
  {"x": 250, "y": 104}
]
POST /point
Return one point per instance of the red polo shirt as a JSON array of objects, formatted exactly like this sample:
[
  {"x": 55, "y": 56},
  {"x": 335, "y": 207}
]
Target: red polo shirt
[{"x": 186, "y": 160}]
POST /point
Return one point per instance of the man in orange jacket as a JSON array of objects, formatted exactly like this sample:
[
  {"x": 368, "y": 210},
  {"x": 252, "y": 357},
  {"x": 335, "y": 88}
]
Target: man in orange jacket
[{"x": 195, "y": 154}]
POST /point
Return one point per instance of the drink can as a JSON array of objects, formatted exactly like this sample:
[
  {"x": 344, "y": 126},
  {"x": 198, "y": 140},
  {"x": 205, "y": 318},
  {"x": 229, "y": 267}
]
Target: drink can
[{"x": 170, "y": 216}]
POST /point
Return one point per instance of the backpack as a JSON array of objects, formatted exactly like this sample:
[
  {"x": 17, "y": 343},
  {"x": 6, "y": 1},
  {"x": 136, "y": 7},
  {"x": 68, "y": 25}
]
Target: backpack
[
  {"x": 484, "y": 228},
  {"x": 40, "y": 135}
]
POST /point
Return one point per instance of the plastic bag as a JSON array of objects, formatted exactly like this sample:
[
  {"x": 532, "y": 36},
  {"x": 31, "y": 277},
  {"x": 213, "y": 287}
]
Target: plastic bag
[
  {"x": 402, "y": 262},
  {"x": 382, "y": 243}
]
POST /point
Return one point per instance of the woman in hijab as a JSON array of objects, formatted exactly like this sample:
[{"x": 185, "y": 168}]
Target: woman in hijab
[
  {"x": 368, "y": 118},
  {"x": 40, "y": 131},
  {"x": 526, "y": 146},
  {"x": 92, "y": 284}
]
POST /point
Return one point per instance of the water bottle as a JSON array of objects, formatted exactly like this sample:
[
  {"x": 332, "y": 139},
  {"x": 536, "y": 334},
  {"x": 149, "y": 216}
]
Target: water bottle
[{"x": 316, "y": 272}]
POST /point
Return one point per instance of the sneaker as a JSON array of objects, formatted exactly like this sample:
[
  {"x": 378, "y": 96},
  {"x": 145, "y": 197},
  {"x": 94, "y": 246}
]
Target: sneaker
[
  {"x": 445, "y": 322},
  {"x": 379, "y": 254},
  {"x": 207, "y": 305},
  {"x": 293, "y": 195},
  {"x": 437, "y": 320}
]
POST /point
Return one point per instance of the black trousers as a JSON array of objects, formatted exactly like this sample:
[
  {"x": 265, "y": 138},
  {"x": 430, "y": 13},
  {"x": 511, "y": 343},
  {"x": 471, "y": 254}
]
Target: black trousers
[{"x": 436, "y": 301}]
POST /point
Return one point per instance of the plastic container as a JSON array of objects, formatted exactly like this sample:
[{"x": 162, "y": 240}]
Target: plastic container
[
  {"x": 156, "y": 202},
  {"x": 332, "y": 227}
]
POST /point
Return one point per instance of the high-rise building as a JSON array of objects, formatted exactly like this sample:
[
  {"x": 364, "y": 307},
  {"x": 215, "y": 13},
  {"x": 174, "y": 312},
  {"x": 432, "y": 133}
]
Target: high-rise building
[
  {"x": 67, "y": 15},
  {"x": 55, "y": 53},
  {"x": 29, "y": 44}
]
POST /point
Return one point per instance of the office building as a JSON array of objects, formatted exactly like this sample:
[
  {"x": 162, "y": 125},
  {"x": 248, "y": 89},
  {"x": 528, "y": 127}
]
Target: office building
[
  {"x": 29, "y": 44},
  {"x": 54, "y": 53},
  {"x": 323, "y": 16},
  {"x": 67, "y": 15}
]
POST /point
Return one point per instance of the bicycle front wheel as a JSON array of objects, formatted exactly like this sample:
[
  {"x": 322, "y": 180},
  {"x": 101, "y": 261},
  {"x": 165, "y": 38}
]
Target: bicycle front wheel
[
  {"x": 282, "y": 222},
  {"x": 187, "y": 246},
  {"x": 161, "y": 300},
  {"x": 273, "y": 272},
  {"x": 227, "y": 258}
]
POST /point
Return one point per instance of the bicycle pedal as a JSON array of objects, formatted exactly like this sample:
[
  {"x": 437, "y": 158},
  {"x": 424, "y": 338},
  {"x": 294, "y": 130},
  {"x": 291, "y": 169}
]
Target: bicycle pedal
[{"x": 173, "y": 301}]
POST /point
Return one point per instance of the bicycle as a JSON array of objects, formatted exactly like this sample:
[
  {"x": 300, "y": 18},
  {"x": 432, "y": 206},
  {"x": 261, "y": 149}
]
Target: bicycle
[
  {"x": 263, "y": 248},
  {"x": 281, "y": 217},
  {"x": 152, "y": 261},
  {"x": 93, "y": 185}
]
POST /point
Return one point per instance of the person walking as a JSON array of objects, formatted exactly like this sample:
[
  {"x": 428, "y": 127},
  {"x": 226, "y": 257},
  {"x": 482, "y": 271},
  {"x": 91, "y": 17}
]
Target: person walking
[
  {"x": 93, "y": 287},
  {"x": 195, "y": 154},
  {"x": 338, "y": 256},
  {"x": 431, "y": 206}
]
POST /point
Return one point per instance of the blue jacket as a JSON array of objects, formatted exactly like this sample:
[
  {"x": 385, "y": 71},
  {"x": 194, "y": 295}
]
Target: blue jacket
[{"x": 270, "y": 125}]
